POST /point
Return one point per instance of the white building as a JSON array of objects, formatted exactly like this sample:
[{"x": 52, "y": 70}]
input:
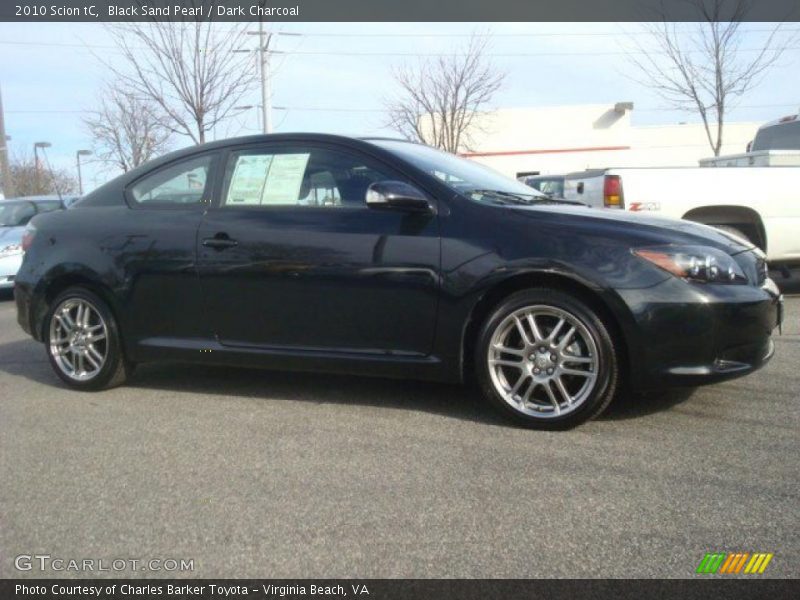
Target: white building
[{"x": 561, "y": 139}]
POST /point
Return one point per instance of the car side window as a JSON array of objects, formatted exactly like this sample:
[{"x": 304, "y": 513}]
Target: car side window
[
  {"x": 42, "y": 207},
  {"x": 182, "y": 183},
  {"x": 310, "y": 177}
]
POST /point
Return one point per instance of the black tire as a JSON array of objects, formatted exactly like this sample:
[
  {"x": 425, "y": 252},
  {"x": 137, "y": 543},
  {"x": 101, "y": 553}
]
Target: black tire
[
  {"x": 116, "y": 369},
  {"x": 594, "y": 400}
]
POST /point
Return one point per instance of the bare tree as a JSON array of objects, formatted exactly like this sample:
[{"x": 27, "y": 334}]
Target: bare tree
[
  {"x": 32, "y": 179},
  {"x": 441, "y": 98},
  {"x": 189, "y": 70},
  {"x": 126, "y": 130},
  {"x": 701, "y": 66}
]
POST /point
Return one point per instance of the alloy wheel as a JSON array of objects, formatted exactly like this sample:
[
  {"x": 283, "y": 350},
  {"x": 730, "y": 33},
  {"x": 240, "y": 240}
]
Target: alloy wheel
[
  {"x": 543, "y": 361},
  {"x": 78, "y": 339}
]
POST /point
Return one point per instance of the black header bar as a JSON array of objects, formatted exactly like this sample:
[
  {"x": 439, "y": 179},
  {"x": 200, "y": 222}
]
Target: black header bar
[{"x": 382, "y": 10}]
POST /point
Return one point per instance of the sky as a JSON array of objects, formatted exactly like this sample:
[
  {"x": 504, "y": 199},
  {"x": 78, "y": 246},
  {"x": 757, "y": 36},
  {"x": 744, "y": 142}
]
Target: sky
[{"x": 336, "y": 77}]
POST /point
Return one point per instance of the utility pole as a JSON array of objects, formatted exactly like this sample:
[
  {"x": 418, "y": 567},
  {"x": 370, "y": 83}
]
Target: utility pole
[
  {"x": 264, "y": 39},
  {"x": 266, "y": 78},
  {"x": 5, "y": 171},
  {"x": 265, "y": 71}
]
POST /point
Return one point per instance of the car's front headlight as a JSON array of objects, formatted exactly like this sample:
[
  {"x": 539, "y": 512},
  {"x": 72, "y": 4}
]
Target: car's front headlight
[
  {"x": 694, "y": 263},
  {"x": 10, "y": 250}
]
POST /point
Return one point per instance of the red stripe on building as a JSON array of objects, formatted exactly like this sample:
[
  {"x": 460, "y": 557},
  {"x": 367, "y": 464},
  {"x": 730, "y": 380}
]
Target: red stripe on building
[{"x": 550, "y": 151}]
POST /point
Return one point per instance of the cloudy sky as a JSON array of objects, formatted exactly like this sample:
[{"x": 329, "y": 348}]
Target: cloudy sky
[{"x": 334, "y": 77}]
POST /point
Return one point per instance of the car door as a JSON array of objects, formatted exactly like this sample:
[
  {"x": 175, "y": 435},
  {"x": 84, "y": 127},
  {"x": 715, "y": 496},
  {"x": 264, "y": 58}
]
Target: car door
[
  {"x": 292, "y": 257},
  {"x": 154, "y": 242}
]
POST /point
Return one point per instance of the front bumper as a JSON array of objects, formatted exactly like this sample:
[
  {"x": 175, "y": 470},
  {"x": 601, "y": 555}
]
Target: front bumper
[{"x": 694, "y": 334}]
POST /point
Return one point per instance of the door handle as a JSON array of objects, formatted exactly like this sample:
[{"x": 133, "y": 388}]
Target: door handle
[{"x": 220, "y": 242}]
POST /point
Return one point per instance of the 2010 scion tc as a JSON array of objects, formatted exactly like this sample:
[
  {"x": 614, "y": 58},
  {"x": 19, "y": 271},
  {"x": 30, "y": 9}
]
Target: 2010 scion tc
[{"x": 388, "y": 258}]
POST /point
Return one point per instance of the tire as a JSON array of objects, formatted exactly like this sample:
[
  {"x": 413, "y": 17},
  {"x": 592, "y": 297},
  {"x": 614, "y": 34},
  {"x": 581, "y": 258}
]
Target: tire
[
  {"x": 88, "y": 356},
  {"x": 585, "y": 361}
]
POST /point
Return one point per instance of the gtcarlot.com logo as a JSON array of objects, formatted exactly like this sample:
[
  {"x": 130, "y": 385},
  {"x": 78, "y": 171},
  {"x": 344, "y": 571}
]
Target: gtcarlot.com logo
[
  {"x": 733, "y": 563},
  {"x": 46, "y": 562}
]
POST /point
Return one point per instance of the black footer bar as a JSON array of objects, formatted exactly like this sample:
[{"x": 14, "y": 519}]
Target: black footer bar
[{"x": 396, "y": 589}]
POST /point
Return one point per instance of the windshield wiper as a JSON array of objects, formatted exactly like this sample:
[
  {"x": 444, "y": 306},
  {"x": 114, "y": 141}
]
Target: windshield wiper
[
  {"x": 525, "y": 199},
  {"x": 554, "y": 200},
  {"x": 501, "y": 197}
]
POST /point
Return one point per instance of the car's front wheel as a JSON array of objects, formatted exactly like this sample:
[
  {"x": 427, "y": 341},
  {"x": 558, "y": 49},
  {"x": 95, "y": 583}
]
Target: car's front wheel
[
  {"x": 546, "y": 359},
  {"x": 83, "y": 341}
]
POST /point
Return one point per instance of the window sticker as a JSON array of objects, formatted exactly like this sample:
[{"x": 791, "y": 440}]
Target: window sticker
[
  {"x": 284, "y": 179},
  {"x": 248, "y": 180}
]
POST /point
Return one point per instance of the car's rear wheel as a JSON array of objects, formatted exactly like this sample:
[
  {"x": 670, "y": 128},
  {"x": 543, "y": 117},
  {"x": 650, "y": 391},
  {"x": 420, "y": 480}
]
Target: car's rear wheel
[
  {"x": 83, "y": 342},
  {"x": 546, "y": 359}
]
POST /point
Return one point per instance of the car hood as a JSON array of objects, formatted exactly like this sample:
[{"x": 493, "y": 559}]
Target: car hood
[
  {"x": 675, "y": 230},
  {"x": 11, "y": 235}
]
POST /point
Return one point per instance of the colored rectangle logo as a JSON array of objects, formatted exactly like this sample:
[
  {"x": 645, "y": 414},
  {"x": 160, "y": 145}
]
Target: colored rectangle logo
[{"x": 734, "y": 563}]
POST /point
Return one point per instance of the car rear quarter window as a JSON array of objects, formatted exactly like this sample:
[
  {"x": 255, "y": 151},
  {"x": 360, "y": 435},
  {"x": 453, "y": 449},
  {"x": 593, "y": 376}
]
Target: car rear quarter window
[{"x": 179, "y": 184}]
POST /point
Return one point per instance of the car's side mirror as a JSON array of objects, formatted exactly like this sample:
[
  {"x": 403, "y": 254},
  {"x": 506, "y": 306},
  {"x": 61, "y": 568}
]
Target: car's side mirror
[{"x": 397, "y": 195}]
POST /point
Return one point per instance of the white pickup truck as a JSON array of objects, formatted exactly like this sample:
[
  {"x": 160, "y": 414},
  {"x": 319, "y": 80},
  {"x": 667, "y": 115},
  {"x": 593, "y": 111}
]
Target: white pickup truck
[
  {"x": 776, "y": 144},
  {"x": 761, "y": 204}
]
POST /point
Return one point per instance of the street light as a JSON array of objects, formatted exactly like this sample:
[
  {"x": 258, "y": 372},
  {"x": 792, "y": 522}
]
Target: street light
[
  {"x": 36, "y": 146},
  {"x": 36, "y": 167},
  {"x": 78, "y": 155}
]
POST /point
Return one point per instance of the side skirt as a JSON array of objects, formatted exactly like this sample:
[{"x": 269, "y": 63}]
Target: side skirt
[{"x": 378, "y": 364}]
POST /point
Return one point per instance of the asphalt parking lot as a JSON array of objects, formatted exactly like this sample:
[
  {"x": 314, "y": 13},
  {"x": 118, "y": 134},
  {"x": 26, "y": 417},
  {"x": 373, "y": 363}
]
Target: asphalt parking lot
[{"x": 264, "y": 474}]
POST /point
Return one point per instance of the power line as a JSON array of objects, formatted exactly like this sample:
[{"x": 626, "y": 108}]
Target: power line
[
  {"x": 399, "y": 54},
  {"x": 43, "y": 111},
  {"x": 55, "y": 44},
  {"x": 380, "y": 110},
  {"x": 324, "y": 109},
  {"x": 494, "y": 54},
  {"x": 501, "y": 35},
  {"x": 400, "y": 35}
]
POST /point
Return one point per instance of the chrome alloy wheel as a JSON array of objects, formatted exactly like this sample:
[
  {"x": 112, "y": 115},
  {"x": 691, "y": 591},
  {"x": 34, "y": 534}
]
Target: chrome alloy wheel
[
  {"x": 78, "y": 339},
  {"x": 543, "y": 361}
]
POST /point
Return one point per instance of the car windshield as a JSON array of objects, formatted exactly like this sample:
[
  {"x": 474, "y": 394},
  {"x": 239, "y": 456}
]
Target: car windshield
[
  {"x": 16, "y": 214},
  {"x": 551, "y": 187},
  {"x": 469, "y": 178}
]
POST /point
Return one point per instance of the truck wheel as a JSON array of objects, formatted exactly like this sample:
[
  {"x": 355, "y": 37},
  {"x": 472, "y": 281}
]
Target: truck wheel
[{"x": 546, "y": 360}]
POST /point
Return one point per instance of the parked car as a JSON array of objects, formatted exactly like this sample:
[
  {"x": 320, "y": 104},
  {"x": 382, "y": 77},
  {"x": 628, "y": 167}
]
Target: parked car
[
  {"x": 758, "y": 204},
  {"x": 552, "y": 185},
  {"x": 386, "y": 257},
  {"x": 14, "y": 216}
]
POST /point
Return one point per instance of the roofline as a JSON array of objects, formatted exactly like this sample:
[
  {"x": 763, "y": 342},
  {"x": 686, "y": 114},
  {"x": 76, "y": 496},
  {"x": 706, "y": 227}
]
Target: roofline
[
  {"x": 239, "y": 141},
  {"x": 782, "y": 121},
  {"x": 376, "y": 138}
]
